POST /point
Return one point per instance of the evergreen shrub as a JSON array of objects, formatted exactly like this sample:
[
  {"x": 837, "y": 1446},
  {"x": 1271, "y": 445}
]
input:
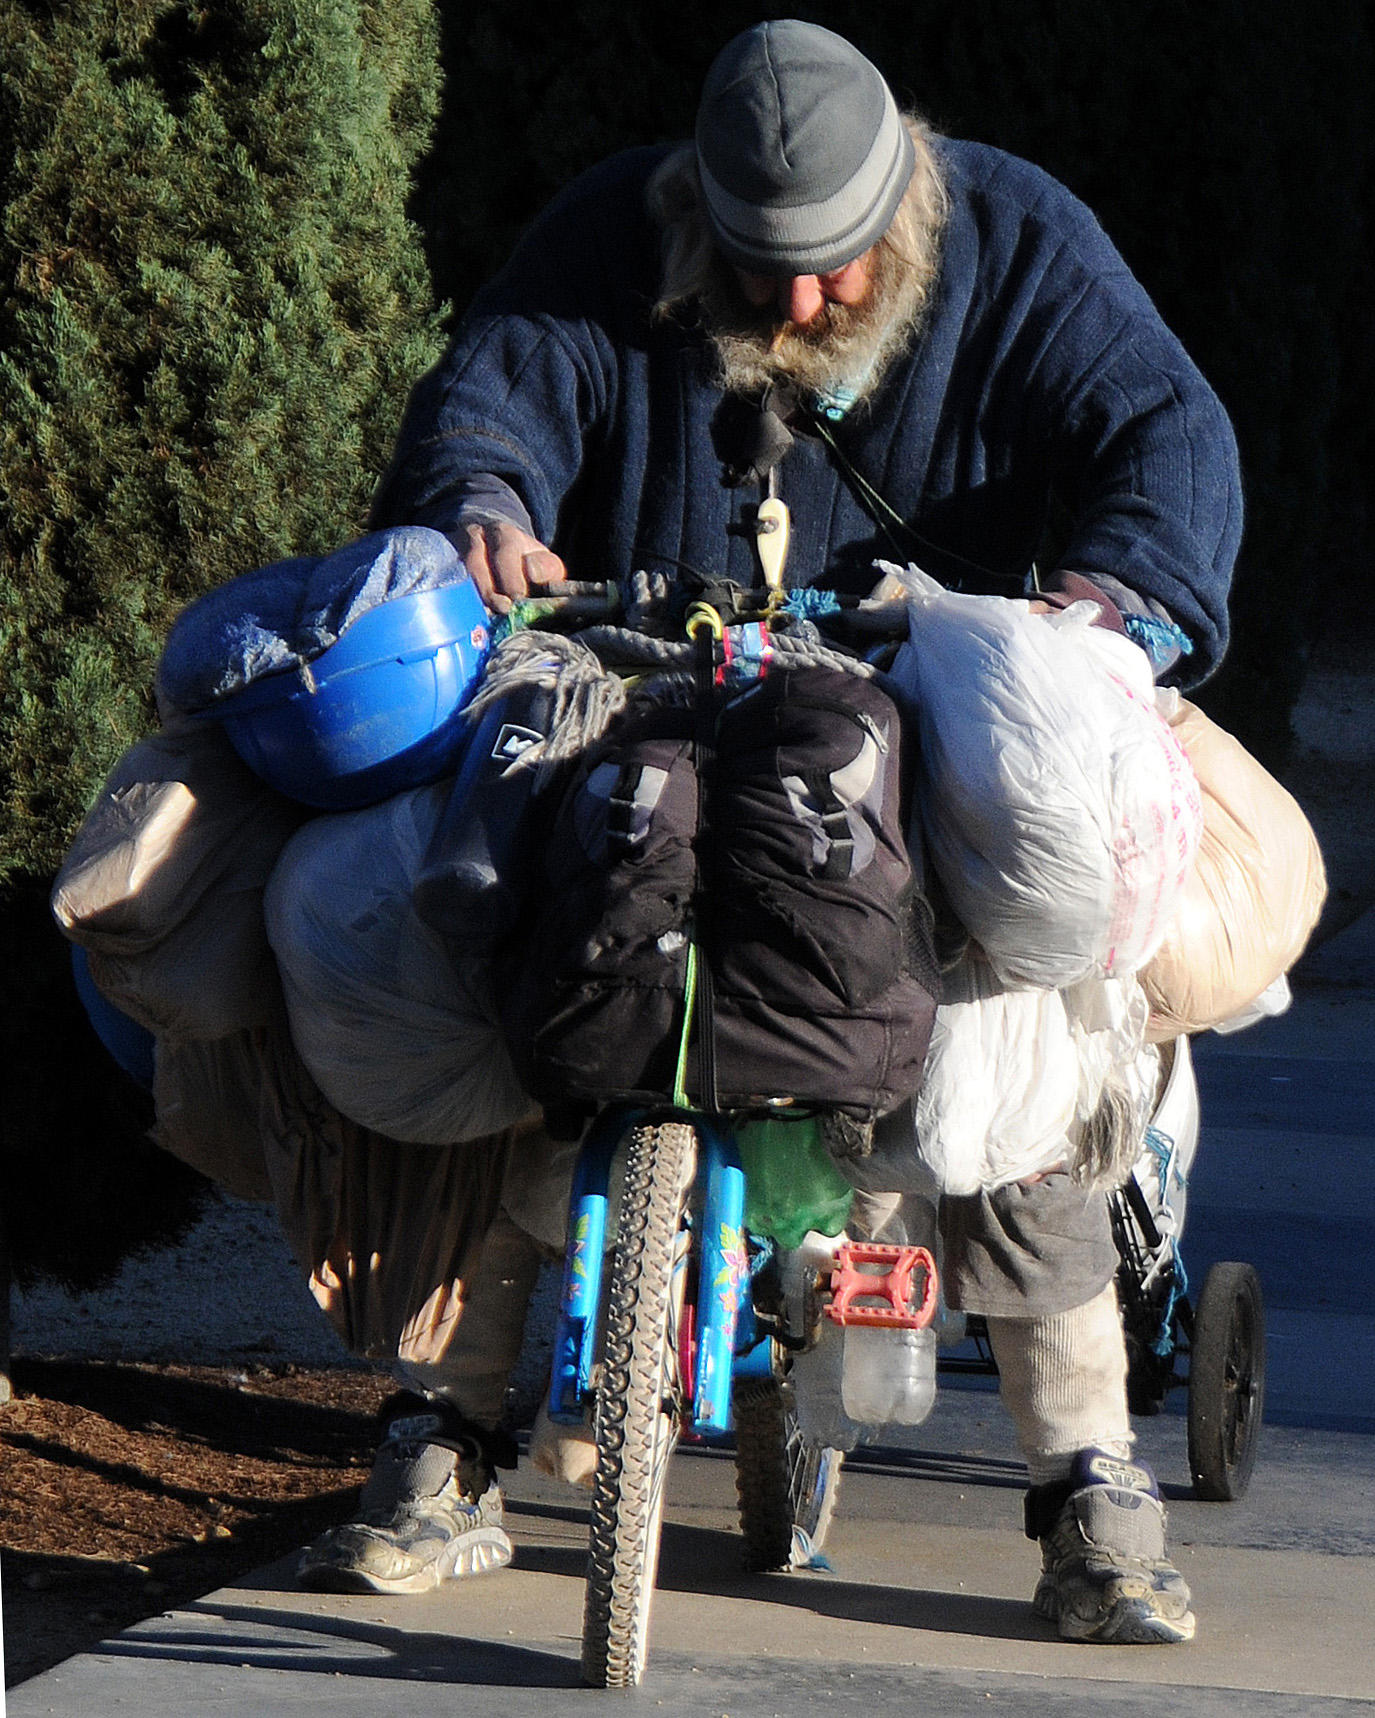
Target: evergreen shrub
[{"x": 212, "y": 302}]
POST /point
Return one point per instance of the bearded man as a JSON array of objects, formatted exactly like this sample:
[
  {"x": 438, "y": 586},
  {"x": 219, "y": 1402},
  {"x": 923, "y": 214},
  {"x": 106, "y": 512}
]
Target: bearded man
[{"x": 931, "y": 352}]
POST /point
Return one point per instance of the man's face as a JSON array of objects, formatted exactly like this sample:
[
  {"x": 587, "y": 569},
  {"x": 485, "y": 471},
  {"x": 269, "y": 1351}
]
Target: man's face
[
  {"x": 819, "y": 331},
  {"x": 798, "y": 299}
]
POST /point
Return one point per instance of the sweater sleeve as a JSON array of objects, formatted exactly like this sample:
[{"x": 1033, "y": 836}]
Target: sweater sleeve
[
  {"x": 499, "y": 429},
  {"x": 495, "y": 432},
  {"x": 1141, "y": 450}
]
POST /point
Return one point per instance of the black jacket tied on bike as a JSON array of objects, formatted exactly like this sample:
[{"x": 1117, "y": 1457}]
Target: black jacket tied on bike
[{"x": 777, "y": 846}]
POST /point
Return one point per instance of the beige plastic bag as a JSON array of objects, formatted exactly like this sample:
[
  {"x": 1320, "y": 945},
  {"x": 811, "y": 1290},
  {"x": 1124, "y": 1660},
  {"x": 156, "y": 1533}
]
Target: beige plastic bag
[
  {"x": 1254, "y": 894},
  {"x": 163, "y": 885}
]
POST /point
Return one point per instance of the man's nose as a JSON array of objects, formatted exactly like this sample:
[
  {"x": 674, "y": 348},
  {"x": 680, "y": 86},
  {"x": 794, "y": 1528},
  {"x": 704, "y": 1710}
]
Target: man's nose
[{"x": 800, "y": 298}]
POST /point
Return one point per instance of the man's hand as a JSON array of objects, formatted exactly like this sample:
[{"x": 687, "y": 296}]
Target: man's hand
[
  {"x": 1066, "y": 588},
  {"x": 506, "y": 563}
]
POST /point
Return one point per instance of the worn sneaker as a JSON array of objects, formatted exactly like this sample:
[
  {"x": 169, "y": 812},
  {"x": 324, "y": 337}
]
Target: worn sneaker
[
  {"x": 1105, "y": 1576},
  {"x": 431, "y": 1510}
]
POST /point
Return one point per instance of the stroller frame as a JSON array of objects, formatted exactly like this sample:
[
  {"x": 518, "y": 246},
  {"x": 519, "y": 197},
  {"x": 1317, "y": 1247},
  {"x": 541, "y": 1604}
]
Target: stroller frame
[{"x": 1212, "y": 1346}]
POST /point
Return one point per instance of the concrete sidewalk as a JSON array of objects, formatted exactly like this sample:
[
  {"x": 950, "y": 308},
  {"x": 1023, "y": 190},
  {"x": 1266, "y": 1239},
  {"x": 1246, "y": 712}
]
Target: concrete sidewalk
[{"x": 926, "y": 1607}]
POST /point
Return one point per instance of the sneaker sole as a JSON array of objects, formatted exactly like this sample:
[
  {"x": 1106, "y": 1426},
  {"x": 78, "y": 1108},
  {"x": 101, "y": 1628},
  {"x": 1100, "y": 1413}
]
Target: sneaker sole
[
  {"x": 1132, "y": 1621},
  {"x": 478, "y": 1554}
]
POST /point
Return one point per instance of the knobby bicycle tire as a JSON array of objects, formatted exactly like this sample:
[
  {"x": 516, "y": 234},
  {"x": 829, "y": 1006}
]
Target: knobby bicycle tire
[{"x": 636, "y": 1419}]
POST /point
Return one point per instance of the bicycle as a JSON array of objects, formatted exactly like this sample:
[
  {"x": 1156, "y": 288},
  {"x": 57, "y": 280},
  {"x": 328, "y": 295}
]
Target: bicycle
[
  {"x": 652, "y": 1365},
  {"x": 679, "y": 1332}
]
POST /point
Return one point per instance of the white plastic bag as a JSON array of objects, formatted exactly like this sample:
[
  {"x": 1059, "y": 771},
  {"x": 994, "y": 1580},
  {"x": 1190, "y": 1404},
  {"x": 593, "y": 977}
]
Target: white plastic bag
[
  {"x": 1061, "y": 814},
  {"x": 399, "y": 1037},
  {"x": 1001, "y": 1084},
  {"x": 1015, "y": 1076}
]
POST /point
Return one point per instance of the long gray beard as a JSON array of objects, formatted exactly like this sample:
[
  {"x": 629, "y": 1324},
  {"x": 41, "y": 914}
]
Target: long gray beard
[{"x": 846, "y": 347}]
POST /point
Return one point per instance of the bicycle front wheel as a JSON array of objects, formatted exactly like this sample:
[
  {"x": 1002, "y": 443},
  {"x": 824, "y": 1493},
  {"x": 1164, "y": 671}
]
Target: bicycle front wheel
[{"x": 638, "y": 1403}]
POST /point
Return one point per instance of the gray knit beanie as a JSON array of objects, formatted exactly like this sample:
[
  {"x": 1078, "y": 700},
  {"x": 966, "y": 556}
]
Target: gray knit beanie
[{"x": 802, "y": 153}]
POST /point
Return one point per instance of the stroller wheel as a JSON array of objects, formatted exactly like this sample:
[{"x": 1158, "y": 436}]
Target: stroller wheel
[{"x": 1226, "y": 1382}]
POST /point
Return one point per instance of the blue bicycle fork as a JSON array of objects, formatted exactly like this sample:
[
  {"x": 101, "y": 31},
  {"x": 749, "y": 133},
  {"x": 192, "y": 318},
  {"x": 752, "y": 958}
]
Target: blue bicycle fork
[{"x": 725, "y": 1340}]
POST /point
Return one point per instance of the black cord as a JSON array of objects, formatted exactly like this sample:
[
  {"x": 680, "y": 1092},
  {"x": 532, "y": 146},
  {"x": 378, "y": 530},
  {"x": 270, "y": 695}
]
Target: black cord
[
  {"x": 704, "y": 757},
  {"x": 902, "y": 537}
]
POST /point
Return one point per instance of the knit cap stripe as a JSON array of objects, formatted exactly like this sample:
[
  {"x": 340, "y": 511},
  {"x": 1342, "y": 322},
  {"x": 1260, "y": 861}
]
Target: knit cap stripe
[{"x": 816, "y": 237}]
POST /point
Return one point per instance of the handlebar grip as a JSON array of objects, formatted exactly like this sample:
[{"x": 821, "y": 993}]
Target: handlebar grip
[{"x": 575, "y": 588}]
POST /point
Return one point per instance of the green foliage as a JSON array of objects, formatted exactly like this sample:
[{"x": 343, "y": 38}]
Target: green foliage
[
  {"x": 215, "y": 302},
  {"x": 212, "y": 304}
]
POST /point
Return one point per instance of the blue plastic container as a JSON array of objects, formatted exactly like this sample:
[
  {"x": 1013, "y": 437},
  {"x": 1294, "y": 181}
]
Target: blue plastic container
[{"x": 380, "y": 711}]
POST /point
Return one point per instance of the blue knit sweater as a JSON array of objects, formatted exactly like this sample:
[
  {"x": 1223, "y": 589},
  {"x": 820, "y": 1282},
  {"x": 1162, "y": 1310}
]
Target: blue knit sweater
[{"x": 1042, "y": 369}]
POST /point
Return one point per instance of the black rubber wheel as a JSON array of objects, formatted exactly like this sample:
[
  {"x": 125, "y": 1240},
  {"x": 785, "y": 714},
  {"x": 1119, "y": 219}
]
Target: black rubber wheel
[
  {"x": 786, "y": 1486},
  {"x": 1226, "y": 1382},
  {"x": 636, "y": 1420}
]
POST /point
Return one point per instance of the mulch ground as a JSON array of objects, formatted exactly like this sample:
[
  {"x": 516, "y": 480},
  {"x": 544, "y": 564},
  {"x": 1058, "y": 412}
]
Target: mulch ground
[{"x": 126, "y": 1490}]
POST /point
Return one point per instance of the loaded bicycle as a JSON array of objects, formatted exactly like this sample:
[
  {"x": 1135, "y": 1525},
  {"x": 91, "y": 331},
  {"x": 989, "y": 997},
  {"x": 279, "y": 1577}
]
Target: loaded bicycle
[{"x": 660, "y": 1355}]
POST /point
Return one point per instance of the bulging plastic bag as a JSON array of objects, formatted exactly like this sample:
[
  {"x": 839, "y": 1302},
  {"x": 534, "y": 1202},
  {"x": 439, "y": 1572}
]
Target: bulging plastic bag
[
  {"x": 399, "y": 1036},
  {"x": 1061, "y": 813},
  {"x": 207, "y": 1094},
  {"x": 1252, "y": 898},
  {"x": 1016, "y": 1078},
  {"x": 163, "y": 885}
]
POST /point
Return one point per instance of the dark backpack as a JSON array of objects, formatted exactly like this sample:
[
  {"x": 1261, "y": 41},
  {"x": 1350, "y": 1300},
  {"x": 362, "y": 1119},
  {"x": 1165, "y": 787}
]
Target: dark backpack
[{"x": 770, "y": 830}]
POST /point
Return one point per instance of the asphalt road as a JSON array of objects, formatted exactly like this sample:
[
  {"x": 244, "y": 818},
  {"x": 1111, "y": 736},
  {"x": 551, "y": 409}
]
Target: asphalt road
[{"x": 924, "y": 1609}]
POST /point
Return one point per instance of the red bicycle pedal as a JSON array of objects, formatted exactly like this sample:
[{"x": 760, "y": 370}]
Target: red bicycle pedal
[{"x": 884, "y": 1296}]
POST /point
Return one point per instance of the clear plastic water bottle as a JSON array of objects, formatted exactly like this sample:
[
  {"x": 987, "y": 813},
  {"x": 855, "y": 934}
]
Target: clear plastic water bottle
[
  {"x": 860, "y": 1378},
  {"x": 857, "y": 1379},
  {"x": 887, "y": 1375}
]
